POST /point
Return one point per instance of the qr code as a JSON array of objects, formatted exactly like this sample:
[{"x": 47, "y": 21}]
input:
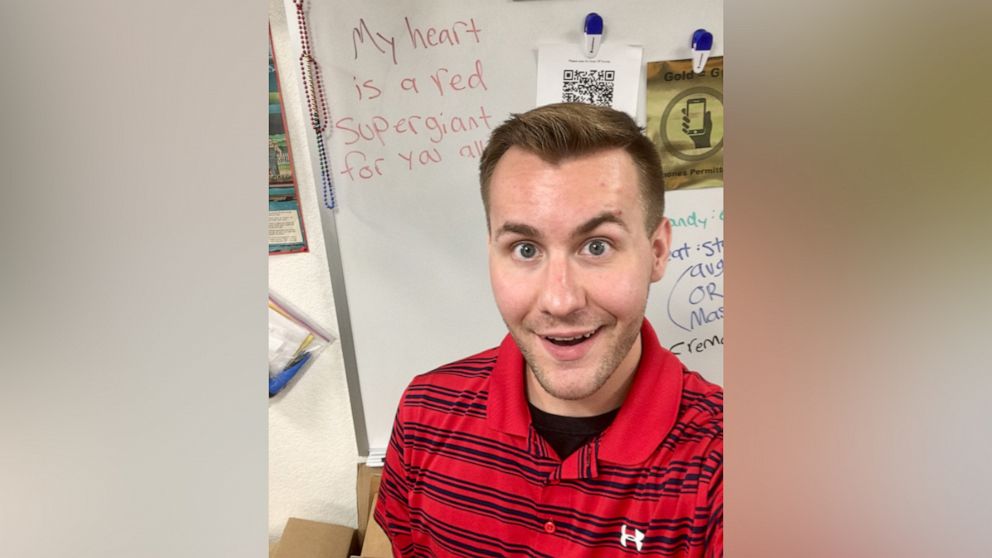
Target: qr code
[{"x": 588, "y": 86}]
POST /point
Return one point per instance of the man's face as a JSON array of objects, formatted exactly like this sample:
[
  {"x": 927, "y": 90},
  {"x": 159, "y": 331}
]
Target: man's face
[{"x": 570, "y": 263}]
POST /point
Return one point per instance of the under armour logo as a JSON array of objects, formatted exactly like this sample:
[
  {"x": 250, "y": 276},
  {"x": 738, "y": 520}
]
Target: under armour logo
[{"x": 637, "y": 537}]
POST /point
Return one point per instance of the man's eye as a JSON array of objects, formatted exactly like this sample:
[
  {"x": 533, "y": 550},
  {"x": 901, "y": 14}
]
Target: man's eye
[
  {"x": 525, "y": 250},
  {"x": 597, "y": 247}
]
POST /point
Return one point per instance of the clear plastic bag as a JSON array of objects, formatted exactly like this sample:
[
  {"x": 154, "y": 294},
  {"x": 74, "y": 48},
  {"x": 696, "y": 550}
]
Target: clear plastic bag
[{"x": 294, "y": 342}]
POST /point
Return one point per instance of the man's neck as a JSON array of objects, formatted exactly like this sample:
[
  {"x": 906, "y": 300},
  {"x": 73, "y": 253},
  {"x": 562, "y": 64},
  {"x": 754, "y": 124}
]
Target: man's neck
[{"x": 607, "y": 398}]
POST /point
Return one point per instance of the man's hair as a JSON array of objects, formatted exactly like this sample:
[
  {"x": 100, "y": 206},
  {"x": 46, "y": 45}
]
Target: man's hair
[{"x": 567, "y": 130}]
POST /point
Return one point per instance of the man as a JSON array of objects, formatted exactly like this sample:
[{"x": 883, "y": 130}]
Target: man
[{"x": 579, "y": 435}]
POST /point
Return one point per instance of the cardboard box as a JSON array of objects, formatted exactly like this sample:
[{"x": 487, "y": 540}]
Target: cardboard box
[
  {"x": 302, "y": 538},
  {"x": 367, "y": 486},
  {"x": 376, "y": 542}
]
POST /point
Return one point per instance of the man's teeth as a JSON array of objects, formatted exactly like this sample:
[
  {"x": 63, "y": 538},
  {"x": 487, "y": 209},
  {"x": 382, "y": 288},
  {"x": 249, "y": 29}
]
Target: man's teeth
[{"x": 576, "y": 338}]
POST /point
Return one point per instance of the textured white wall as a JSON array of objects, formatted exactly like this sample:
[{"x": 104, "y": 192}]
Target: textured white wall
[{"x": 312, "y": 448}]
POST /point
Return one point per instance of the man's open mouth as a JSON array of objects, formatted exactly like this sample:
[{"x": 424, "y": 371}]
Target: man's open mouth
[{"x": 569, "y": 341}]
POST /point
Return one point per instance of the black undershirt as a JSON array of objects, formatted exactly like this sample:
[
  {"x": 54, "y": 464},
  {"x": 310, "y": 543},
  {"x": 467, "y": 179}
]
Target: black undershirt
[{"x": 567, "y": 434}]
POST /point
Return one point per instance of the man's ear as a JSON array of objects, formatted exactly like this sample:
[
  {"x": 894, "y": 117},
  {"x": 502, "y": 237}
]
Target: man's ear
[{"x": 661, "y": 242}]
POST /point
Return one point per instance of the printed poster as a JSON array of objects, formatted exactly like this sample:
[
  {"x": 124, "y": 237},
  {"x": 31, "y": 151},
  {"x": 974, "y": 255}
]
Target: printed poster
[
  {"x": 685, "y": 121},
  {"x": 286, "y": 233}
]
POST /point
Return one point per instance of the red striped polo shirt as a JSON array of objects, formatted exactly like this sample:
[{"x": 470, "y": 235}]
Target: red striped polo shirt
[{"x": 466, "y": 474}]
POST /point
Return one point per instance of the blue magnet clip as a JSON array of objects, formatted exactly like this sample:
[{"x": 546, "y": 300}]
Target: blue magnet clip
[
  {"x": 593, "y": 31},
  {"x": 702, "y": 44}
]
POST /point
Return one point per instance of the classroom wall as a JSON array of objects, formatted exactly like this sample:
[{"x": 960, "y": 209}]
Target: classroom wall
[
  {"x": 312, "y": 454},
  {"x": 312, "y": 448},
  {"x": 406, "y": 231}
]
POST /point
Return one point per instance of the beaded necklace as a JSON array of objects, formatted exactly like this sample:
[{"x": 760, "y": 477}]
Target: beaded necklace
[{"x": 313, "y": 85}]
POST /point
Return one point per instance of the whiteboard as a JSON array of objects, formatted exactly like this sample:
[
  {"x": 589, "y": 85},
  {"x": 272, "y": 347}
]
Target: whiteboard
[{"x": 412, "y": 91}]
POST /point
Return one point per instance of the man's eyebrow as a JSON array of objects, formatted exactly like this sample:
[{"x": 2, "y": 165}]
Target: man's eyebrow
[
  {"x": 595, "y": 222},
  {"x": 518, "y": 228}
]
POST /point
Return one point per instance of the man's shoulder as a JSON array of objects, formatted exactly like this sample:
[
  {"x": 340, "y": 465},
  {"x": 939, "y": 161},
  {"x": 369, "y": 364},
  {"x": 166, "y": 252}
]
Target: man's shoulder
[
  {"x": 476, "y": 367},
  {"x": 702, "y": 400},
  {"x": 453, "y": 385},
  {"x": 697, "y": 434},
  {"x": 450, "y": 394}
]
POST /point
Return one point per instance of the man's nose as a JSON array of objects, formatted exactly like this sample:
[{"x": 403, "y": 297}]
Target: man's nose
[{"x": 562, "y": 294}]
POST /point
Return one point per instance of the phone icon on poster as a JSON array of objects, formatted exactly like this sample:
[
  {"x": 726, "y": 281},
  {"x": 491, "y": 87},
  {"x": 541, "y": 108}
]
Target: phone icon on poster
[
  {"x": 695, "y": 109},
  {"x": 697, "y": 123}
]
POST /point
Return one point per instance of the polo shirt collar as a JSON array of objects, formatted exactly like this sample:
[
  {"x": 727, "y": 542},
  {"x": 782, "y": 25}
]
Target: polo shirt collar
[{"x": 645, "y": 418}]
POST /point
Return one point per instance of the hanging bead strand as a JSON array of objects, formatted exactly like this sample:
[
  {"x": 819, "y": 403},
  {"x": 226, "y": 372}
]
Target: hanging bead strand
[{"x": 313, "y": 86}]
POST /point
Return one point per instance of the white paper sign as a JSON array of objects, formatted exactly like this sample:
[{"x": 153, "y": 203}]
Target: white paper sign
[{"x": 612, "y": 78}]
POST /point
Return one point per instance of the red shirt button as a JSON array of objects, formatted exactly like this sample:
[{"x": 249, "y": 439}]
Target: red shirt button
[{"x": 549, "y": 527}]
